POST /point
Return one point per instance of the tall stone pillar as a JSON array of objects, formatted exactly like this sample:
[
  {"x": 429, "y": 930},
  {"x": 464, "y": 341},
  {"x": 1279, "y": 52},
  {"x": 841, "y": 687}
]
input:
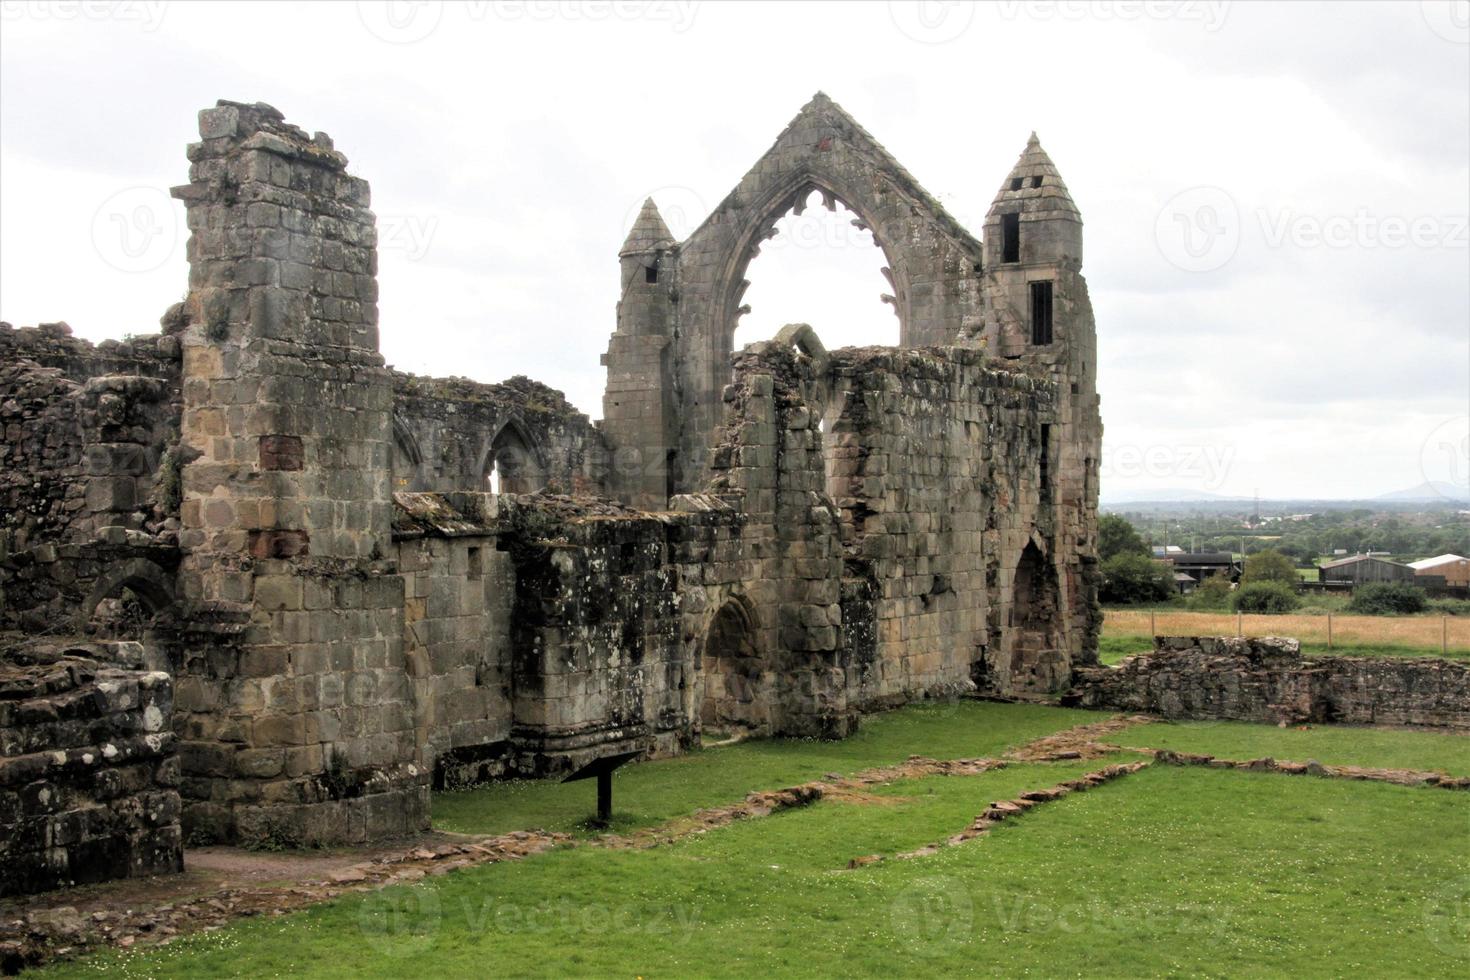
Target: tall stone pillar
[{"x": 295, "y": 710}]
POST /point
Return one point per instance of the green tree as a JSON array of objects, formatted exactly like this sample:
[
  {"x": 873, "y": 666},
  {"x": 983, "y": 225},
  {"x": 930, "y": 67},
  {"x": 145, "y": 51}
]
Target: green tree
[
  {"x": 1270, "y": 566},
  {"x": 1129, "y": 579},
  {"x": 1265, "y": 597},
  {"x": 1212, "y": 593},
  {"x": 1388, "y": 599},
  {"x": 1115, "y": 536}
]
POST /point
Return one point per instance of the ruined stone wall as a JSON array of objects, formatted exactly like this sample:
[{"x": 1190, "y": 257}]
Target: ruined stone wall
[
  {"x": 459, "y": 588},
  {"x": 892, "y": 499},
  {"x": 935, "y": 459},
  {"x": 84, "y": 432},
  {"x": 598, "y": 662},
  {"x": 769, "y": 453},
  {"x": 1264, "y": 679},
  {"x": 89, "y": 776},
  {"x": 544, "y": 630},
  {"x": 300, "y": 721},
  {"x": 448, "y": 433}
]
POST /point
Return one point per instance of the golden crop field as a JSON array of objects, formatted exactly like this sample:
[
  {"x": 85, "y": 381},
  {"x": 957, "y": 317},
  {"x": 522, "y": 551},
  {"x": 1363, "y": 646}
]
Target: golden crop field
[{"x": 1424, "y": 632}]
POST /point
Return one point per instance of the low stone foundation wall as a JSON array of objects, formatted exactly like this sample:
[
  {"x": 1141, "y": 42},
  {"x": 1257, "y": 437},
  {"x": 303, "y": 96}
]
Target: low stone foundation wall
[
  {"x": 1266, "y": 679},
  {"x": 88, "y": 772}
]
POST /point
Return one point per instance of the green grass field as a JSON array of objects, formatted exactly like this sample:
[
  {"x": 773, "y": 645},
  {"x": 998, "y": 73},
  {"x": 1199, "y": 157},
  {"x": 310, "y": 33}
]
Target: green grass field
[
  {"x": 1126, "y": 631},
  {"x": 1113, "y": 647},
  {"x": 1168, "y": 872},
  {"x": 1328, "y": 744},
  {"x": 652, "y": 792}
]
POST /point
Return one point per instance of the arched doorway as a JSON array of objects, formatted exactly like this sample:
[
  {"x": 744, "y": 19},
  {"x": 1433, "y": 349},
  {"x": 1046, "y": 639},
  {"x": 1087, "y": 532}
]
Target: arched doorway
[
  {"x": 735, "y": 687},
  {"x": 513, "y": 464},
  {"x": 1037, "y": 662}
]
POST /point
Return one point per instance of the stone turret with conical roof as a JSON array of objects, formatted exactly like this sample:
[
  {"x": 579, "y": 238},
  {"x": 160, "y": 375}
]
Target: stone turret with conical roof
[
  {"x": 637, "y": 406},
  {"x": 1033, "y": 217},
  {"x": 649, "y": 232}
]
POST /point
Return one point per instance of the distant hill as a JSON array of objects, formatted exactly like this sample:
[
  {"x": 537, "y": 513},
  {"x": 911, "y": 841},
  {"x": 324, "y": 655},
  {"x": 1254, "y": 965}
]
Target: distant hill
[
  {"x": 1435, "y": 490},
  {"x": 1172, "y": 495}
]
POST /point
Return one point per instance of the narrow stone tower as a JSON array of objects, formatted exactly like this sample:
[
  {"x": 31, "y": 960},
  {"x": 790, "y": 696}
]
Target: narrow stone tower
[
  {"x": 298, "y": 723},
  {"x": 1039, "y": 314},
  {"x": 638, "y": 405}
]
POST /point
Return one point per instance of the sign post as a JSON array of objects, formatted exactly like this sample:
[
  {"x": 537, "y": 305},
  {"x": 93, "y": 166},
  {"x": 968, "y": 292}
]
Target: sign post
[{"x": 602, "y": 769}]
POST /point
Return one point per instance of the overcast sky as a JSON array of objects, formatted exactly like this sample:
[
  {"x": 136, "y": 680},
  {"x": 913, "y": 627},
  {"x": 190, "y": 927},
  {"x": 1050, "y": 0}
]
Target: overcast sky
[{"x": 1275, "y": 197}]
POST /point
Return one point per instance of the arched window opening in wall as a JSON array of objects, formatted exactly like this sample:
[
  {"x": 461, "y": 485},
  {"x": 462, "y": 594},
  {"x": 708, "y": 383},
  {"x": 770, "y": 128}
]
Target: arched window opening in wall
[
  {"x": 125, "y": 600},
  {"x": 821, "y": 266},
  {"x": 512, "y": 465},
  {"x": 1036, "y": 661},
  {"x": 733, "y": 672}
]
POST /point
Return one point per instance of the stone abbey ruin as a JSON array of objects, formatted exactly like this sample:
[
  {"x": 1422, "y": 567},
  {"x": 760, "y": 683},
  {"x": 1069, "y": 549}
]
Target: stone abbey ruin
[{"x": 257, "y": 586}]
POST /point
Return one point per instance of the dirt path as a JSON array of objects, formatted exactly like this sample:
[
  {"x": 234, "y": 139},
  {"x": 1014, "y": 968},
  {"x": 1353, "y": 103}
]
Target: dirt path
[{"x": 223, "y": 884}]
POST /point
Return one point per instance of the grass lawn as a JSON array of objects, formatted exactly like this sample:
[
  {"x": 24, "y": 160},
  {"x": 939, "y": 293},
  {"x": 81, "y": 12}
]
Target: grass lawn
[
  {"x": 653, "y": 792},
  {"x": 1126, "y": 631},
  {"x": 1113, "y": 647},
  {"x": 1171, "y": 871},
  {"x": 1329, "y": 745}
]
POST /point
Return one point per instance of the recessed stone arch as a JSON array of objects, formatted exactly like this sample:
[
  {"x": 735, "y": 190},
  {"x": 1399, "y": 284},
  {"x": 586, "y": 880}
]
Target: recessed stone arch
[
  {"x": 150, "y": 584},
  {"x": 734, "y": 676},
  {"x": 408, "y": 458},
  {"x": 1037, "y": 660},
  {"x": 513, "y": 462}
]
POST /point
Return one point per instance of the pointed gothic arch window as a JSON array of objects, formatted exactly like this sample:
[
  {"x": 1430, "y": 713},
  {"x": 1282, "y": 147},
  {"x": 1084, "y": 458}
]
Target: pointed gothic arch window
[
  {"x": 513, "y": 464},
  {"x": 820, "y": 264}
]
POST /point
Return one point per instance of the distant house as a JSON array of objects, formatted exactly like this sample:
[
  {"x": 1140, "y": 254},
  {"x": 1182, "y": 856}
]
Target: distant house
[
  {"x": 1361, "y": 569},
  {"x": 1193, "y": 567},
  {"x": 1449, "y": 570}
]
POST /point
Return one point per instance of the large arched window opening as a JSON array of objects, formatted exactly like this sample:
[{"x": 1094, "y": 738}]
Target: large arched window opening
[
  {"x": 513, "y": 465},
  {"x": 820, "y": 265}
]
